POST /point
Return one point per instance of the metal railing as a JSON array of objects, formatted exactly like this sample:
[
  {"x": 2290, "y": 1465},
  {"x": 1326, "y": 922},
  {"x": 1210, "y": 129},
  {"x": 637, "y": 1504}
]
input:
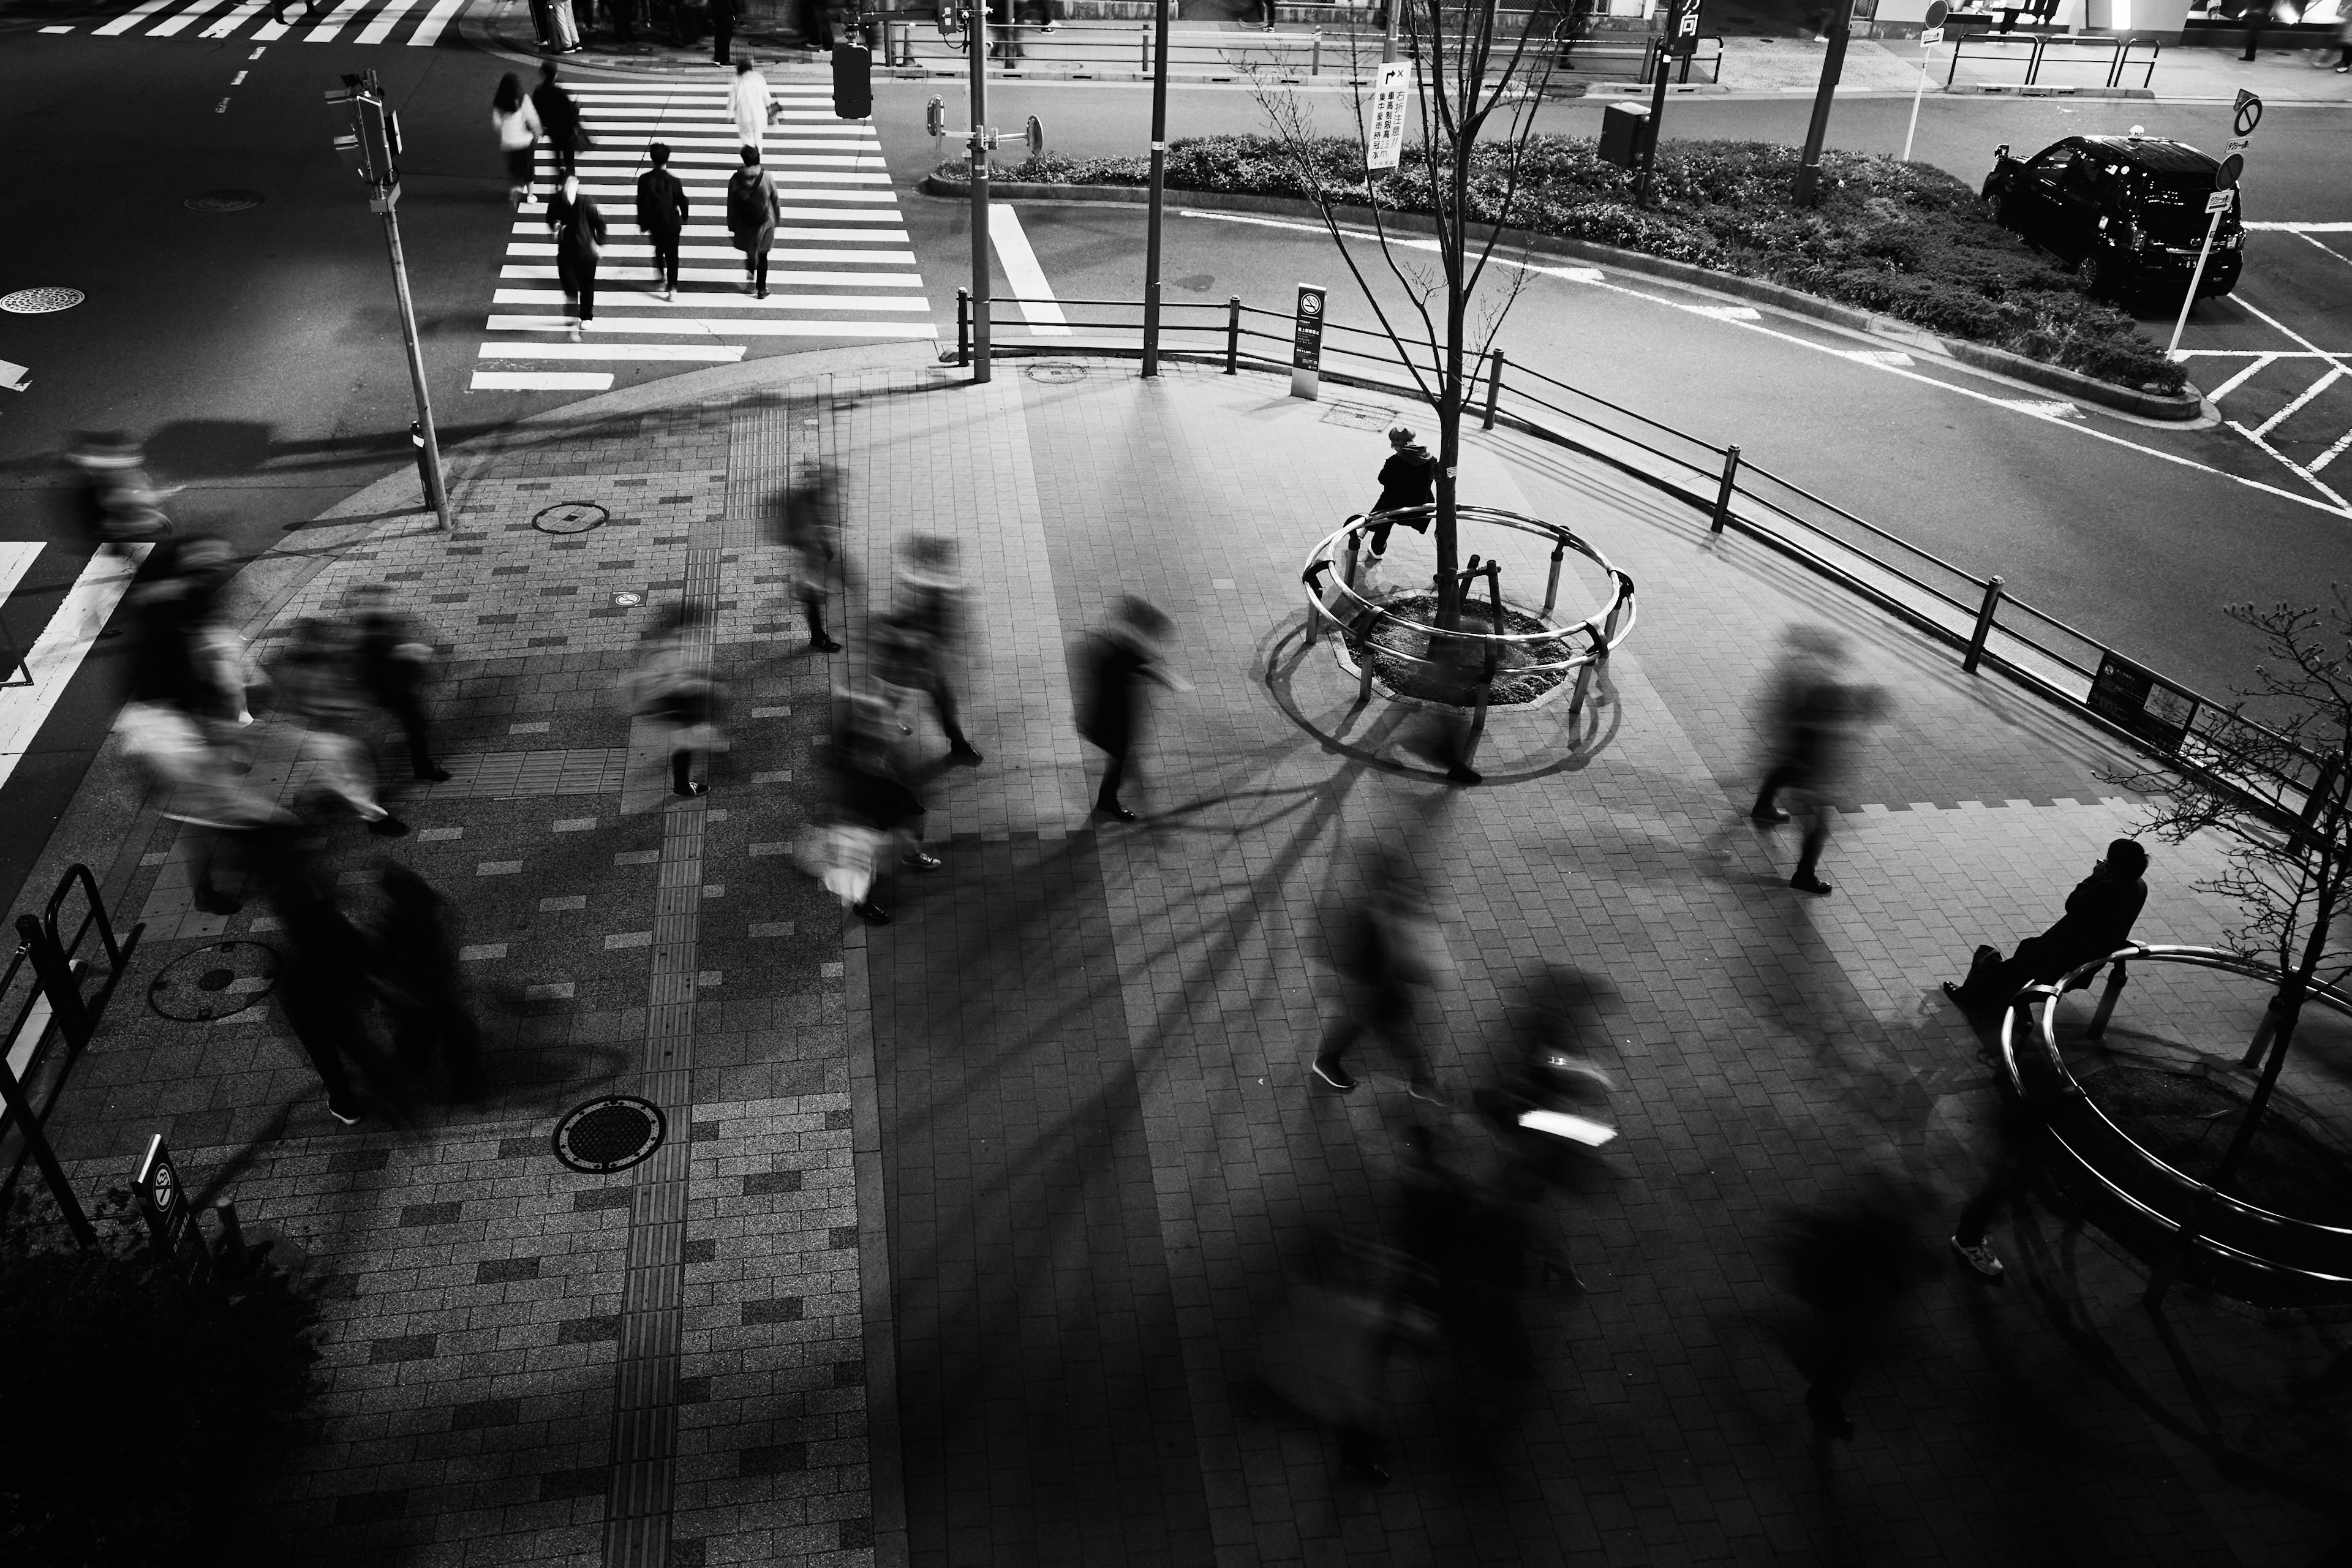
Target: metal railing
[
  {"x": 1977, "y": 616},
  {"x": 2113, "y": 56}
]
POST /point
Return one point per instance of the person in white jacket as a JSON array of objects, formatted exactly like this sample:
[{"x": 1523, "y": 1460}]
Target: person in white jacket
[
  {"x": 519, "y": 132},
  {"x": 753, "y": 108}
]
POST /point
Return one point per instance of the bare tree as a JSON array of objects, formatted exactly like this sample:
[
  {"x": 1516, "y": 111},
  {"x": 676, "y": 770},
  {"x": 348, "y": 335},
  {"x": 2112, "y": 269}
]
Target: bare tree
[
  {"x": 2289, "y": 863},
  {"x": 1476, "y": 82}
]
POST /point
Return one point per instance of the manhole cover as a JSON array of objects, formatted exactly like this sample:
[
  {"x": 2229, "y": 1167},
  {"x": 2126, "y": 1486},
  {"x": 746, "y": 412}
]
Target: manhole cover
[
  {"x": 223, "y": 201},
  {"x": 609, "y": 1135},
  {"x": 1054, "y": 370},
  {"x": 571, "y": 516},
  {"x": 214, "y": 982},
  {"x": 40, "y": 301},
  {"x": 1360, "y": 415}
]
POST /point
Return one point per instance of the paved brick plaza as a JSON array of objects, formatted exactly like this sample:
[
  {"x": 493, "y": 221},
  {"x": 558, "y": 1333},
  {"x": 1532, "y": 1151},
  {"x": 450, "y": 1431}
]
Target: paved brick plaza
[{"x": 971, "y": 1229}]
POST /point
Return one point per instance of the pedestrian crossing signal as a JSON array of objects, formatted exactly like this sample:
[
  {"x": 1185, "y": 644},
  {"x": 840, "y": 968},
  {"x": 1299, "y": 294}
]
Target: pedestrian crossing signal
[{"x": 852, "y": 81}]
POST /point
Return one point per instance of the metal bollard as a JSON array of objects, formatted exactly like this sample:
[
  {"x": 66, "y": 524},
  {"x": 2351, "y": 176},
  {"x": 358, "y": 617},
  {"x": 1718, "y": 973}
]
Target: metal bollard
[
  {"x": 1723, "y": 491},
  {"x": 1494, "y": 384},
  {"x": 1984, "y": 627},
  {"x": 1584, "y": 677},
  {"x": 1551, "y": 589},
  {"x": 1147, "y": 48},
  {"x": 2106, "y": 1008},
  {"x": 963, "y": 327},
  {"x": 1233, "y": 336}
]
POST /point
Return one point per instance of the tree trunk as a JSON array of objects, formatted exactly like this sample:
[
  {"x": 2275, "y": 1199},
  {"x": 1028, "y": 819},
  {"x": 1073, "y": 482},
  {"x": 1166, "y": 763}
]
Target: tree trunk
[{"x": 2289, "y": 1003}]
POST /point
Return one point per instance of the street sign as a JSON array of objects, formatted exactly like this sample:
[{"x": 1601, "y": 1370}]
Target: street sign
[
  {"x": 1033, "y": 135},
  {"x": 1307, "y": 343},
  {"x": 2226, "y": 173},
  {"x": 1384, "y": 136},
  {"x": 2219, "y": 202},
  {"x": 2142, "y": 702},
  {"x": 1932, "y": 36},
  {"x": 163, "y": 1202},
  {"x": 1937, "y": 11},
  {"x": 1681, "y": 42},
  {"x": 2249, "y": 111}
]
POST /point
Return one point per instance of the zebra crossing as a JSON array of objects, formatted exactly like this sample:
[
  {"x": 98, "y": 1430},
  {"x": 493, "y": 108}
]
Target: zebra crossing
[
  {"x": 304, "y": 21},
  {"x": 842, "y": 265}
]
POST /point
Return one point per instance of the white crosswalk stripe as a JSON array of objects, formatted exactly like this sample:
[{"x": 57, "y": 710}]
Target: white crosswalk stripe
[
  {"x": 842, "y": 265},
  {"x": 419, "y": 22}
]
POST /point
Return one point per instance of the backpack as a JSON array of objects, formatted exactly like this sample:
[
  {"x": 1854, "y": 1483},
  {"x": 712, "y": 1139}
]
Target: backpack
[{"x": 747, "y": 201}]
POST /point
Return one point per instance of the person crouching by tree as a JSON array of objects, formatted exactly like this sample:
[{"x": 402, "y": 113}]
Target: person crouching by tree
[{"x": 1408, "y": 479}]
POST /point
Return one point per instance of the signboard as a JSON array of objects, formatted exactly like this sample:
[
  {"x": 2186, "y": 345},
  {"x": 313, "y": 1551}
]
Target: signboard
[
  {"x": 1307, "y": 343},
  {"x": 162, "y": 1201},
  {"x": 2142, "y": 703},
  {"x": 1384, "y": 133},
  {"x": 2249, "y": 112},
  {"x": 1930, "y": 37},
  {"x": 2226, "y": 173},
  {"x": 1681, "y": 37},
  {"x": 2217, "y": 202}
]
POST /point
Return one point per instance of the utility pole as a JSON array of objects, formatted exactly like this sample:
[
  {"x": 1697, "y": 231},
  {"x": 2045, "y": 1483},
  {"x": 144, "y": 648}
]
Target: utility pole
[
  {"x": 1681, "y": 16},
  {"x": 981, "y": 141},
  {"x": 1809, "y": 171},
  {"x": 1159, "y": 190},
  {"x": 372, "y": 150}
]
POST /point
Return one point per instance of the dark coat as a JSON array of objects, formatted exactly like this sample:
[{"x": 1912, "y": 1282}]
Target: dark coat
[
  {"x": 753, "y": 209},
  {"x": 559, "y": 116},
  {"x": 2098, "y": 920},
  {"x": 1408, "y": 479},
  {"x": 578, "y": 228},
  {"x": 661, "y": 202},
  {"x": 1113, "y": 710}
]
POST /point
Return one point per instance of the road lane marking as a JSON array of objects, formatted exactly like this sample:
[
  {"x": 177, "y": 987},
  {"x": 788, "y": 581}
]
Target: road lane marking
[
  {"x": 2303, "y": 227},
  {"x": 324, "y": 33},
  {"x": 541, "y": 381},
  {"x": 384, "y": 21},
  {"x": 635, "y": 301},
  {"x": 2305, "y": 475},
  {"x": 2314, "y": 390},
  {"x": 129, "y": 19},
  {"x": 729, "y": 253},
  {"x": 726, "y": 354},
  {"x": 722, "y": 329},
  {"x": 1022, "y": 276},
  {"x": 2238, "y": 380},
  {"x": 734, "y": 275},
  {"x": 180, "y": 21},
  {"x": 2332, "y": 453},
  {"x": 60, "y": 648}
]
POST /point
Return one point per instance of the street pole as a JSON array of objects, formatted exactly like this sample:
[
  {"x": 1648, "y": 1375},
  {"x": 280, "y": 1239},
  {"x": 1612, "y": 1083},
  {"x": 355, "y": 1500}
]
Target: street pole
[
  {"x": 436, "y": 493},
  {"x": 2212, "y": 228},
  {"x": 1388, "y": 42},
  {"x": 1809, "y": 171},
  {"x": 1159, "y": 190},
  {"x": 977, "y": 28},
  {"x": 1657, "y": 106},
  {"x": 1929, "y": 36}
]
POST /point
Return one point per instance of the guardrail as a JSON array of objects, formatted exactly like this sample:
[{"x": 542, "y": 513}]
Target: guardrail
[
  {"x": 1992, "y": 629},
  {"x": 2113, "y": 54}
]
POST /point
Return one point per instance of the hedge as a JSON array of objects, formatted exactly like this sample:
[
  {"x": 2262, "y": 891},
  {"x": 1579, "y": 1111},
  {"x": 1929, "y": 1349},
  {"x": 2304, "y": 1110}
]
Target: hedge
[{"x": 1902, "y": 239}]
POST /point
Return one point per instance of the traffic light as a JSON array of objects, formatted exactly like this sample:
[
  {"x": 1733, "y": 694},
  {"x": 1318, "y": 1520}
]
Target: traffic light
[
  {"x": 370, "y": 146},
  {"x": 853, "y": 80}
]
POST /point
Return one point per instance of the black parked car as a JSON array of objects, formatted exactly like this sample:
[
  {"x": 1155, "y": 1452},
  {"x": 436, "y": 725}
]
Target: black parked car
[{"x": 2128, "y": 212}]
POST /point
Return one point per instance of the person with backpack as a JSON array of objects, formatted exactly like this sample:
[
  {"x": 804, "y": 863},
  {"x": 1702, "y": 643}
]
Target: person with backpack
[
  {"x": 753, "y": 210},
  {"x": 673, "y": 689},
  {"x": 662, "y": 213},
  {"x": 809, "y": 527}
]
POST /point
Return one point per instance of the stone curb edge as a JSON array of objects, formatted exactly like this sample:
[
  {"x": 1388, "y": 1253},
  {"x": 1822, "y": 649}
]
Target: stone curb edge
[{"x": 2145, "y": 404}]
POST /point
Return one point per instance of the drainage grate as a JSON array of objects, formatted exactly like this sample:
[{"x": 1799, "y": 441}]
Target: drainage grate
[
  {"x": 214, "y": 982},
  {"x": 40, "y": 301},
  {"x": 223, "y": 201},
  {"x": 610, "y": 1135},
  {"x": 1360, "y": 415},
  {"x": 571, "y": 516},
  {"x": 1055, "y": 370}
]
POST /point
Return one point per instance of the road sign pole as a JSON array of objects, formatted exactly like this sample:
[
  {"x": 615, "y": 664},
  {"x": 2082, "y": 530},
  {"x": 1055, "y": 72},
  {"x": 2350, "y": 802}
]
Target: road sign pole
[
  {"x": 1159, "y": 188},
  {"x": 436, "y": 492},
  {"x": 1809, "y": 168},
  {"x": 2212, "y": 228},
  {"x": 978, "y": 154},
  {"x": 1658, "y": 104}
]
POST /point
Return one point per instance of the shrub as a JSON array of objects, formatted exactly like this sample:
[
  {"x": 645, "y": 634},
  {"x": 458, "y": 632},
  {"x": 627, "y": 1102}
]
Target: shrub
[{"x": 1902, "y": 239}]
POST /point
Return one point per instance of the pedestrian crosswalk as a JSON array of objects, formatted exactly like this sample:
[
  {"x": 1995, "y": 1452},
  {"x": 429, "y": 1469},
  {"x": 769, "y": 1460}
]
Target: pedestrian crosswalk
[
  {"x": 842, "y": 265},
  {"x": 418, "y": 22}
]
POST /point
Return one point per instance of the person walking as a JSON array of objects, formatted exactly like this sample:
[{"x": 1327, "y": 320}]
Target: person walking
[
  {"x": 579, "y": 229},
  {"x": 753, "y": 210},
  {"x": 868, "y": 756},
  {"x": 322, "y": 956},
  {"x": 723, "y": 29},
  {"x": 662, "y": 213},
  {"x": 624, "y": 20},
  {"x": 1119, "y": 660},
  {"x": 2343, "y": 42},
  {"x": 423, "y": 989},
  {"x": 926, "y": 619},
  {"x": 1408, "y": 479},
  {"x": 519, "y": 129},
  {"x": 673, "y": 689},
  {"x": 1817, "y": 717},
  {"x": 320, "y": 708},
  {"x": 754, "y": 107},
  {"x": 809, "y": 527},
  {"x": 1851, "y": 1260},
  {"x": 2098, "y": 921},
  {"x": 559, "y": 119},
  {"x": 1389, "y": 949},
  {"x": 115, "y": 505},
  {"x": 394, "y": 664}
]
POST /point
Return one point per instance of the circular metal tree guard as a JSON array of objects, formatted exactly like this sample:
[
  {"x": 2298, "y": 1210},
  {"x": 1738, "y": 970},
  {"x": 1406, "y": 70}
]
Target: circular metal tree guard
[
  {"x": 2294, "y": 1261},
  {"x": 40, "y": 301},
  {"x": 214, "y": 982},
  {"x": 609, "y": 1133},
  {"x": 1334, "y": 604}
]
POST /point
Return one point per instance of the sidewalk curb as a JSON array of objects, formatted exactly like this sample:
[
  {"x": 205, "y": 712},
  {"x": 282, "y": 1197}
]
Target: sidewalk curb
[{"x": 2144, "y": 404}]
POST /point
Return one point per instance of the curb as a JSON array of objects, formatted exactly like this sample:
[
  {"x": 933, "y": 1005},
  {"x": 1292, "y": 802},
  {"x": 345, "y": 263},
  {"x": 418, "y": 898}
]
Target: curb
[{"x": 2180, "y": 409}]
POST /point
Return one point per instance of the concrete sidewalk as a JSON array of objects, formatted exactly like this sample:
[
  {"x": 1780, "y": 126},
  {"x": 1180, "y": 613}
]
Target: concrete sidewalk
[{"x": 985, "y": 1215}]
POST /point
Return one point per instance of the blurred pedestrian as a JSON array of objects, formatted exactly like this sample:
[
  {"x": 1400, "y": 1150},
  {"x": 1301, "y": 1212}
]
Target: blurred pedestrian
[
  {"x": 321, "y": 957},
  {"x": 1816, "y": 718},
  {"x": 421, "y": 985},
  {"x": 1387, "y": 951},
  {"x": 1553, "y": 1106},
  {"x": 517, "y": 122},
  {"x": 116, "y": 505},
  {"x": 868, "y": 753},
  {"x": 579, "y": 229},
  {"x": 1326, "y": 1352},
  {"x": 1852, "y": 1260},
  {"x": 723, "y": 29},
  {"x": 808, "y": 526},
  {"x": 1120, "y": 658},
  {"x": 2008, "y": 1171},
  {"x": 923, "y": 631},
  {"x": 1003, "y": 31},
  {"x": 395, "y": 663},
  {"x": 2098, "y": 921},
  {"x": 320, "y": 709},
  {"x": 1408, "y": 479},
  {"x": 753, "y": 210},
  {"x": 673, "y": 689},
  {"x": 624, "y": 20},
  {"x": 2344, "y": 44},
  {"x": 205, "y": 790},
  {"x": 662, "y": 213},
  {"x": 559, "y": 119},
  {"x": 755, "y": 108},
  {"x": 177, "y": 640}
]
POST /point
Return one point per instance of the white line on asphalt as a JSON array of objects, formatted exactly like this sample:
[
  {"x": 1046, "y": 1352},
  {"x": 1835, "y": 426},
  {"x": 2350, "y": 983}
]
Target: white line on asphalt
[
  {"x": 221, "y": 27},
  {"x": 2249, "y": 354},
  {"x": 2284, "y": 330},
  {"x": 58, "y": 651},
  {"x": 2340, "y": 509},
  {"x": 728, "y": 352},
  {"x": 532, "y": 226},
  {"x": 2314, "y": 390},
  {"x": 436, "y": 22},
  {"x": 2325, "y": 249},
  {"x": 2332, "y": 453},
  {"x": 381, "y": 25},
  {"x": 713, "y": 329},
  {"x": 727, "y": 253},
  {"x": 1022, "y": 276},
  {"x": 632, "y": 301},
  {"x": 2233, "y": 384},
  {"x": 16, "y": 558},
  {"x": 180, "y": 21},
  {"x": 129, "y": 19},
  {"x": 324, "y": 33},
  {"x": 2306, "y": 228},
  {"x": 541, "y": 381},
  {"x": 734, "y": 275},
  {"x": 57, "y": 29},
  {"x": 2305, "y": 475}
]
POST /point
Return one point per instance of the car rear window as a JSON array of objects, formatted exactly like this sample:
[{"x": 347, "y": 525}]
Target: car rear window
[{"x": 2172, "y": 205}]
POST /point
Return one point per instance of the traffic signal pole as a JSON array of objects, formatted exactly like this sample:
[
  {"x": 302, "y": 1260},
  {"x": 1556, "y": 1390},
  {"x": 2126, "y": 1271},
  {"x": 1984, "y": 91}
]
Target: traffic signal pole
[
  {"x": 436, "y": 491},
  {"x": 1809, "y": 171},
  {"x": 1159, "y": 191},
  {"x": 977, "y": 29}
]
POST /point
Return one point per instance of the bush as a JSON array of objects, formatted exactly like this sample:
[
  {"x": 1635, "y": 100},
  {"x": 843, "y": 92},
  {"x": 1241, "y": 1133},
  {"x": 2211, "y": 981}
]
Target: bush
[
  {"x": 139, "y": 1405},
  {"x": 1902, "y": 239}
]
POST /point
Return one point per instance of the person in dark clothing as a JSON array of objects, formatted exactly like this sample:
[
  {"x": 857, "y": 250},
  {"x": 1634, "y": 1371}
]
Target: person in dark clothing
[
  {"x": 624, "y": 20},
  {"x": 1852, "y": 1261},
  {"x": 662, "y": 214},
  {"x": 2005, "y": 1178},
  {"x": 558, "y": 119},
  {"x": 1388, "y": 950},
  {"x": 2098, "y": 921},
  {"x": 322, "y": 956},
  {"x": 915, "y": 643},
  {"x": 870, "y": 786},
  {"x": 809, "y": 526},
  {"x": 579, "y": 229},
  {"x": 419, "y": 982},
  {"x": 1817, "y": 717},
  {"x": 1408, "y": 479},
  {"x": 395, "y": 661},
  {"x": 1120, "y": 658},
  {"x": 753, "y": 210},
  {"x": 722, "y": 30}
]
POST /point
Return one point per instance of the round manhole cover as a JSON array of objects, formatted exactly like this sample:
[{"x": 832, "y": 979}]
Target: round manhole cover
[
  {"x": 223, "y": 201},
  {"x": 1054, "y": 370},
  {"x": 214, "y": 982},
  {"x": 571, "y": 516},
  {"x": 609, "y": 1135},
  {"x": 40, "y": 301}
]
